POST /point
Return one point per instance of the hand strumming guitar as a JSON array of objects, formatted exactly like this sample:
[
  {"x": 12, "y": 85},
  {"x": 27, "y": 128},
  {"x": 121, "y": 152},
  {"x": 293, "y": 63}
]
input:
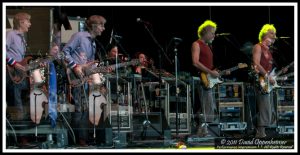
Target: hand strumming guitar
[
  {"x": 78, "y": 71},
  {"x": 18, "y": 66},
  {"x": 270, "y": 78},
  {"x": 214, "y": 73}
]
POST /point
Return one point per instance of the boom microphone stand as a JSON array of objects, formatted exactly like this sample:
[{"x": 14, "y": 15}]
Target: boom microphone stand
[
  {"x": 146, "y": 123},
  {"x": 176, "y": 85},
  {"x": 161, "y": 50}
]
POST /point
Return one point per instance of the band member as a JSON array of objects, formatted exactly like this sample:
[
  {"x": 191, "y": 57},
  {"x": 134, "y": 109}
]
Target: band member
[
  {"x": 114, "y": 56},
  {"x": 263, "y": 64},
  {"x": 144, "y": 62},
  {"x": 80, "y": 51},
  {"x": 202, "y": 58},
  {"x": 15, "y": 51}
]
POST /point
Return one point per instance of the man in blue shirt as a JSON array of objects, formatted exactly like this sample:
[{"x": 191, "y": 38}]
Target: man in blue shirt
[{"x": 80, "y": 51}]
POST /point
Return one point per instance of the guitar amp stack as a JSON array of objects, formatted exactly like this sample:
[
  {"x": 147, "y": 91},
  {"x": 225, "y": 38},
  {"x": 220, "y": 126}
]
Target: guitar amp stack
[
  {"x": 179, "y": 98},
  {"x": 285, "y": 109},
  {"x": 231, "y": 106},
  {"x": 120, "y": 104}
]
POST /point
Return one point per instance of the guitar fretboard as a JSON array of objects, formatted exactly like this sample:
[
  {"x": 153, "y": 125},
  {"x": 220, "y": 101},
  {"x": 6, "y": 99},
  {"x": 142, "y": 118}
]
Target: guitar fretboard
[{"x": 230, "y": 69}]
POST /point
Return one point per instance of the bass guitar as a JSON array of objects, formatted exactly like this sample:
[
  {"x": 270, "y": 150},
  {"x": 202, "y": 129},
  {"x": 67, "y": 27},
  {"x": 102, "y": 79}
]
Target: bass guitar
[
  {"x": 18, "y": 75},
  {"x": 210, "y": 82},
  {"x": 88, "y": 70}
]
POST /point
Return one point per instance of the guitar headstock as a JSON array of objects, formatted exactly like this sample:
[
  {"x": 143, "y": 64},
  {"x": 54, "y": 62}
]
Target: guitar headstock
[{"x": 242, "y": 65}]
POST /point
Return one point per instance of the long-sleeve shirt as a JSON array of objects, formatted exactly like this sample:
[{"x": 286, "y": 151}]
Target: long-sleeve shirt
[
  {"x": 15, "y": 47},
  {"x": 80, "y": 49}
]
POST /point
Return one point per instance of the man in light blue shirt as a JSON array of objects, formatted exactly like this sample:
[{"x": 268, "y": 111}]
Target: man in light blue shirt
[{"x": 79, "y": 51}]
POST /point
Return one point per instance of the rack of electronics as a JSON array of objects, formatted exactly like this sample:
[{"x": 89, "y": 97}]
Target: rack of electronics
[
  {"x": 231, "y": 107},
  {"x": 285, "y": 109}
]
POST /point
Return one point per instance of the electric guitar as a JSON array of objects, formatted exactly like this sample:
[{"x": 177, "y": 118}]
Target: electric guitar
[
  {"x": 18, "y": 75},
  {"x": 265, "y": 86},
  {"x": 210, "y": 82},
  {"x": 88, "y": 70}
]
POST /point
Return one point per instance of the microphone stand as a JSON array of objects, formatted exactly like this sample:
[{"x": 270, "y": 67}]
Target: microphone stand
[
  {"x": 117, "y": 99},
  {"x": 101, "y": 47},
  {"x": 121, "y": 47},
  {"x": 161, "y": 50},
  {"x": 176, "y": 86}
]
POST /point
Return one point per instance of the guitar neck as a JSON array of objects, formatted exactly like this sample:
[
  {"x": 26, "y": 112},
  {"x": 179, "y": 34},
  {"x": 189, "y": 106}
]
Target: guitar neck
[
  {"x": 230, "y": 69},
  {"x": 36, "y": 64},
  {"x": 115, "y": 66},
  {"x": 284, "y": 77},
  {"x": 105, "y": 68},
  {"x": 288, "y": 66}
]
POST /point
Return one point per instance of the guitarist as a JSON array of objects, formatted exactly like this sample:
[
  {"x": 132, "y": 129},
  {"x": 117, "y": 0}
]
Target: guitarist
[
  {"x": 15, "y": 52},
  {"x": 202, "y": 58},
  {"x": 79, "y": 51},
  {"x": 263, "y": 63}
]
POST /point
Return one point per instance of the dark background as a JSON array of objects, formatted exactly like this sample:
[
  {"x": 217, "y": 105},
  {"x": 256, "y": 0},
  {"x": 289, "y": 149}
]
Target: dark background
[{"x": 166, "y": 22}]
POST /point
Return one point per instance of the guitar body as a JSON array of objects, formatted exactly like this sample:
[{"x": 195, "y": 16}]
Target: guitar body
[
  {"x": 209, "y": 81},
  {"x": 204, "y": 79},
  {"x": 264, "y": 83},
  {"x": 213, "y": 81},
  {"x": 267, "y": 87},
  {"x": 16, "y": 75}
]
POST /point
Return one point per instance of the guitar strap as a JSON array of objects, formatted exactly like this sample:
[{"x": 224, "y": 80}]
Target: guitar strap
[
  {"x": 52, "y": 95},
  {"x": 24, "y": 43}
]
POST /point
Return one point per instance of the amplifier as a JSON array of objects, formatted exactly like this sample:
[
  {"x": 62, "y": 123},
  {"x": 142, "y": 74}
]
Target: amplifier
[
  {"x": 181, "y": 105},
  {"x": 119, "y": 103},
  {"x": 285, "y": 108},
  {"x": 285, "y": 129},
  {"x": 233, "y": 126},
  {"x": 231, "y": 106}
]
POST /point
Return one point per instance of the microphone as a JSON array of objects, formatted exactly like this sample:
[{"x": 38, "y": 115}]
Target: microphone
[
  {"x": 284, "y": 37},
  {"x": 177, "y": 39},
  {"x": 223, "y": 34},
  {"x": 139, "y": 20},
  {"x": 117, "y": 36}
]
